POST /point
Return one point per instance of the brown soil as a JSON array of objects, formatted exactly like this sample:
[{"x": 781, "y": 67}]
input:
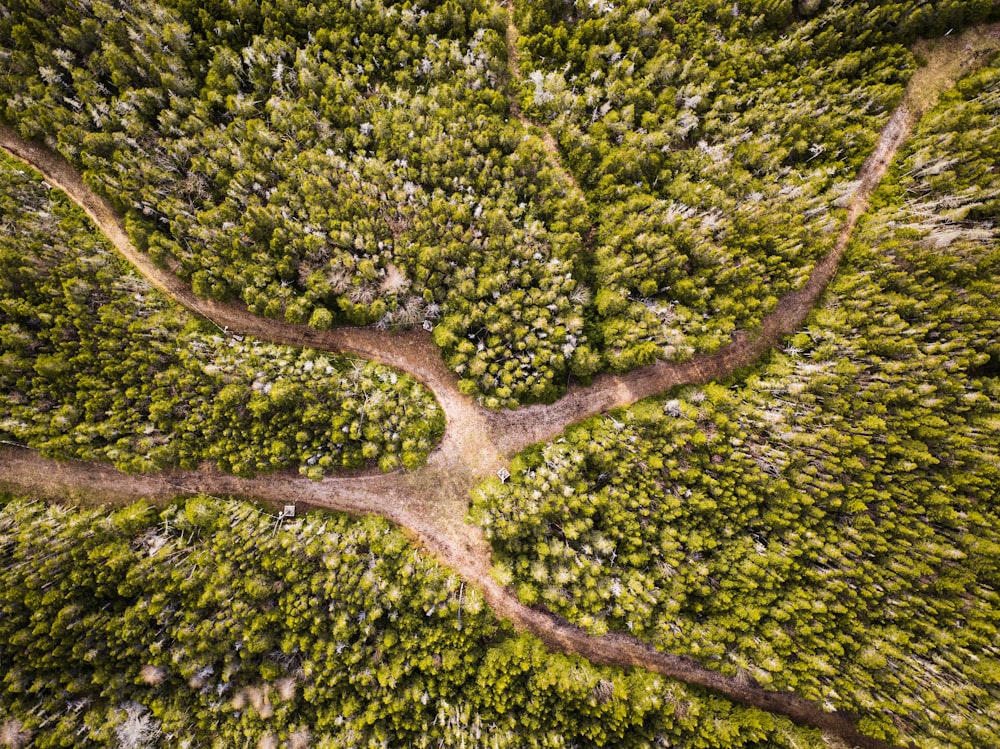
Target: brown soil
[
  {"x": 459, "y": 546},
  {"x": 948, "y": 59},
  {"x": 430, "y": 503}
]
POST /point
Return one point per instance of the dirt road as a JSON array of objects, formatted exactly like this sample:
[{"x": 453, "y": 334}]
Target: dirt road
[{"x": 430, "y": 503}]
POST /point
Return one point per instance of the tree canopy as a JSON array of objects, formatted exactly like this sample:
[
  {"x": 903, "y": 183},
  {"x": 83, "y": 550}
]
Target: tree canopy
[
  {"x": 827, "y": 523},
  {"x": 95, "y": 364},
  {"x": 361, "y": 163},
  {"x": 205, "y": 624}
]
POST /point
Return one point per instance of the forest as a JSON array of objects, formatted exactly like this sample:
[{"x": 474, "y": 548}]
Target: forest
[
  {"x": 97, "y": 365},
  {"x": 554, "y": 191},
  {"x": 207, "y": 625},
  {"x": 827, "y": 522},
  {"x": 354, "y": 164}
]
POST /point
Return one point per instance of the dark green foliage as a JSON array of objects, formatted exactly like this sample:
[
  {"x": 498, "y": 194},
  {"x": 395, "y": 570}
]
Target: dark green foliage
[
  {"x": 356, "y": 162},
  {"x": 94, "y": 364},
  {"x": 334, "y": 164},
  {"x": 205, "y": 625},
  {"x": 714, "y": 142},
  {"x": 830, "y": 524}
]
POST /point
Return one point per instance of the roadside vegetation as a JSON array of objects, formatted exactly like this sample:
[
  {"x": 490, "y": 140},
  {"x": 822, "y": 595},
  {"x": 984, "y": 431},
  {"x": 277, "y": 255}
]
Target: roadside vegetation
[
  {"x": 828, "y": 522},
  {"x": 205, "y": 624},
  {"x": 96, "y": 365},
  {"x": 357, "y": 164}
]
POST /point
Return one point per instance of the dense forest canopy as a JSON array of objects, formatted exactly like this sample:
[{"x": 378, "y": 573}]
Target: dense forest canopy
[
  {"x": 205, "y": 625},
  {"x": 361, "y": 163},
  {"x": 556, "y": 189},
  {"x": 95, "y": 364},
  {"x": 829, "y": 523}
]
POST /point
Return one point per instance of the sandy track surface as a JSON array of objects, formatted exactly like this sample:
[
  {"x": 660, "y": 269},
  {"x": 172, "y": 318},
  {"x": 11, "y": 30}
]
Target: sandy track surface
[{"x": 430, "y": 503}]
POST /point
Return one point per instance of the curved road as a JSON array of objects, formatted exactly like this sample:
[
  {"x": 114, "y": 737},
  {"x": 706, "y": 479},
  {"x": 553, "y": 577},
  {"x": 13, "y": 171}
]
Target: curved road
[{"x": 430, "y": 503}]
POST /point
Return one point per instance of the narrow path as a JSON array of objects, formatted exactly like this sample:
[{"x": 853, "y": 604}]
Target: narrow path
[
  {"x": 427, "y": 502},
  {"x": 464, "y": 550},
  {"x": 947, "y": 59},
  {"x": 517, "y": 430},
  {"x": 516, "y": 79},
  {"x": 466, "y": 451},
  {"x": 430, "y": 503}
]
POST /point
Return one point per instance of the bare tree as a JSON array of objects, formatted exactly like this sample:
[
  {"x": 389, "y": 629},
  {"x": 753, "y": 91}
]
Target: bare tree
[
  {"x": 139, "y": 729},
  {"x": 13, "y": 735}
]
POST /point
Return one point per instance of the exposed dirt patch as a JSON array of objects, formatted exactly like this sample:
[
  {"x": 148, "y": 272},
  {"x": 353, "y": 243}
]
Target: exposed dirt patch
[
  {"x": 948, "y": 58},
  {"x": 431, "y": 503}
]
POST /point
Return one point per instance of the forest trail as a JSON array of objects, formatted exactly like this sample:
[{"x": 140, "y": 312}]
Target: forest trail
[
  {"x": 464, "y": 549},
  {"x": 947, "y": 59},
  {"x": 548, "y": 140},
  {"x": 466, "y": 451},
  {"x": 430, "y": 503}
]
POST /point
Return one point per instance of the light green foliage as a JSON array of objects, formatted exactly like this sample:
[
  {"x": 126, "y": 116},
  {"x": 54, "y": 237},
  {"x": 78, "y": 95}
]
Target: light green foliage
[
  {"x": 94, "y": 364},
  {"x": 830, "y": 523},
  {"x": 345, "y": 163},
  {"x": 205, "y": 625},
  {"x": 714, "y": 141},
  {"x": 357, "y": 162}
]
